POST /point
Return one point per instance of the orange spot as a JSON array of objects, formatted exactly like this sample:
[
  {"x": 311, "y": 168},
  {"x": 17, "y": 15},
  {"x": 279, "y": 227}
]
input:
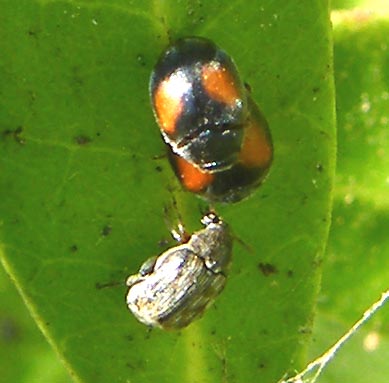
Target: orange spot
[
  {"x": 167, "y": 106},
  {"x": 220, "y": 84},
  {"x": 257, "y": 149},
  {"x": 193, "y": 179}
]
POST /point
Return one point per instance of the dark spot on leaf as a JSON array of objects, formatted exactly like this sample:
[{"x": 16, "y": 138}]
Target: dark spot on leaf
[
  {"x": 100, "y": 285},
  {"x": 267, "y": 269},
  {"x": 248, "y": 87},
  {"x": 73, "y": 248},
  {"x": 323, "y": 133},
  {"x": 16, "y": 134},
  {"x": 315, "y": 89},
  {"x": 106, "y": 230},
  {"x": 305, "y": 330},
  {"x": 261, "y": 365},
  {"x": 130, "y": 365},
  {"x": 82, "y": 140},
  {"x": 290, "y": 273},
  {"x": 158, "y": 169},
  {"x": 130, "y": 338},
  {"x": 33, "y": 32},
  {"x": 98, "y": 134},
  {"x": 319, "y": 167}
]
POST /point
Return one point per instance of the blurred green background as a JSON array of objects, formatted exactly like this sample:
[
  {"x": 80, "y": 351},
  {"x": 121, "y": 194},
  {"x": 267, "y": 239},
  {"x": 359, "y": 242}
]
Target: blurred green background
[{"x": 356, "y": 268}]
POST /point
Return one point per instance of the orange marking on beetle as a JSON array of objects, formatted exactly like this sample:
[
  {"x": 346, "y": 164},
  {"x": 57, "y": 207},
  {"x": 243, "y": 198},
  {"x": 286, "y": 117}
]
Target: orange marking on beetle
[
  {"x": 220, "y": 84},
  {"x": 168, "y": 107},
  {"x": 257, "y": 149},
  {"x": 193, "y": 178}
]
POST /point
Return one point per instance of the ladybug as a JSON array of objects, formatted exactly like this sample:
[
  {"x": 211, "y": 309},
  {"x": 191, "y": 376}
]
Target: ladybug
[{"x": 218, "y": 142}]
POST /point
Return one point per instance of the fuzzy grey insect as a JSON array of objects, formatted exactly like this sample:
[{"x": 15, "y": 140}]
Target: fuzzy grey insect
[{"x": 174, "y": 288}]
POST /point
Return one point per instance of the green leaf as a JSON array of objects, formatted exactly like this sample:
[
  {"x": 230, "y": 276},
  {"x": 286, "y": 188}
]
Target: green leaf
[
  {"x": 24, "y": 354},
  {"x": 82, "y": 197},
  {"x": 357, "y": 267}
]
